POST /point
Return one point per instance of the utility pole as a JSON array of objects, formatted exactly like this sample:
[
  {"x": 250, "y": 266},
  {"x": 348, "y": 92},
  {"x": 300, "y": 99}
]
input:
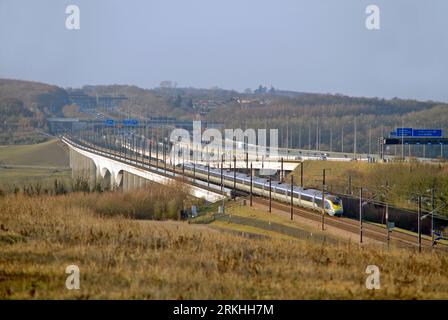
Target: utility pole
[
  {"x": 402, "y": 140},
  {"x": 150, "y": 151},
  {"x": 292, "y": 190},
  {"x": 342, "y": 140},
  {"x": 157, "y": 155},
  {"x": 433, "y": 204},
  {"x": 208, "y": 175},
  {"x": 281, "y": 171},
  {"x": 223, "y": 194},
  {"x": 323, "y": 207},
  {"x": 350, "y": 185},
  {"x": 360, "y": 215},
  {"x": 354, "y": 141},
  {"x": 234, "y": 177},
  {"x": 222, "y": 166},
  {"x": 323, "y": 199},
  {"x": 183, "y": 165},
  {"x": 301, "y": 174},
  {"x": 387, "y": 215},
  {"x": 419, "y": 223},
  {"x": 331, "y": 139},
  {"x": 309, "y": 137},
  {"x": 270, "y": 195},
  {"x": 387, "y": 225},
  {"x": 164, "y": 156},
  {"x": 251, "y": 184}
]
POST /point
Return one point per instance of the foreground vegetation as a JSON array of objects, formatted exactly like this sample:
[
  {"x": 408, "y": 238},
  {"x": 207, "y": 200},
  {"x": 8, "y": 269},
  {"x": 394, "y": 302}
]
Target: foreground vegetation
[{"x": 120, "y": 257}]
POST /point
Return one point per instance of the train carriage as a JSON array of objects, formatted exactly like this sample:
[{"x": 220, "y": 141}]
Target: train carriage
[{"x": 306, "y": 198}]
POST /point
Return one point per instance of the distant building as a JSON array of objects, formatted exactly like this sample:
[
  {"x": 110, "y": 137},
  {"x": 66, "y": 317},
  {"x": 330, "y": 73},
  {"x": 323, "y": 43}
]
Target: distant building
[{"x": 85, "y": 101}]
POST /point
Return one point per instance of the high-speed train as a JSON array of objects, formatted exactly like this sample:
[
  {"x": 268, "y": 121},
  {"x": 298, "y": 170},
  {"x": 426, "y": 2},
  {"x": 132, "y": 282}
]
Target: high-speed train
[{"x": 307, "y": 198}]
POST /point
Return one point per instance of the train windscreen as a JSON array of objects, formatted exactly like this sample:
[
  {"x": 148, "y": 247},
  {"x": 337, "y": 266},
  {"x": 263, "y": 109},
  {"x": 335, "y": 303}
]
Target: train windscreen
[{"x": 336, "y": 201}]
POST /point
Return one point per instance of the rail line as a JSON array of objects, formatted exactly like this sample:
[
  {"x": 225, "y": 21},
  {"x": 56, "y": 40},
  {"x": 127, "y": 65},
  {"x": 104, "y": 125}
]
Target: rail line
[{"x": 369, "y": 231}]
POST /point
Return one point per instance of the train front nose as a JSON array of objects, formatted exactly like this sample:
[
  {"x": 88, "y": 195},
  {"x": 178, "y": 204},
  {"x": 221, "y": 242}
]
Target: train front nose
[{"x": 338, "y": 211}]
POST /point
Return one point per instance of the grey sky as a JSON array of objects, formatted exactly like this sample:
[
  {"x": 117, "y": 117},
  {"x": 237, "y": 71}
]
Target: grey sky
[{"x": 309, "y": 45}]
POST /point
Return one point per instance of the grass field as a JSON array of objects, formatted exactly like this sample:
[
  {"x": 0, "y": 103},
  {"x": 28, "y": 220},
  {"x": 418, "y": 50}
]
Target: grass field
[
  {"x": 28, "y": 164},
  {"x": 48, "y": 154},
  {"x": 125, "y": 258}
]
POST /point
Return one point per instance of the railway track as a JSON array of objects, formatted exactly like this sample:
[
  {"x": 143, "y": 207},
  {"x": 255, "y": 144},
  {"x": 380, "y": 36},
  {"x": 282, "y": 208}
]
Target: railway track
[{"x": 370, "y": 231}]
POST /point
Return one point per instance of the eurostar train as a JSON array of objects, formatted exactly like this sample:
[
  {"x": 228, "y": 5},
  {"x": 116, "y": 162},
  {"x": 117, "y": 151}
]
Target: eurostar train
[{"x": 306, "y": 198}]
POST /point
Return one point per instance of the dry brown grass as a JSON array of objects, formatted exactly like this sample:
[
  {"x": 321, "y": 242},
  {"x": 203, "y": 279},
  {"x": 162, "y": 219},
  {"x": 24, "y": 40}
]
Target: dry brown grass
[{"x": 124, "y": 258}]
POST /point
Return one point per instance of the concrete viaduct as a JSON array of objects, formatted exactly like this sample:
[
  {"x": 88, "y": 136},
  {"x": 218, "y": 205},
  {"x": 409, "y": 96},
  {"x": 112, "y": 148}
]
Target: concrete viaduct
[{"x": 111, "y": 172}]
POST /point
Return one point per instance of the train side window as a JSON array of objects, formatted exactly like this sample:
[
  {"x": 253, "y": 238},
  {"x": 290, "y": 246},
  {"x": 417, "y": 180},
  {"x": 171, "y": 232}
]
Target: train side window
[{"x": 307, "y": 198}]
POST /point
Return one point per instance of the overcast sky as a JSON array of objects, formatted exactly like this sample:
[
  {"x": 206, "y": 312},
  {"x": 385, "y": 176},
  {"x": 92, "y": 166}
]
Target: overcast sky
[{"x": 303, "y": 45}]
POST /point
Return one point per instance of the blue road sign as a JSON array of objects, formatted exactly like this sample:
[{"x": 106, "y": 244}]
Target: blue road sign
[
  {"x": 427, "y": 133},
  {"x": 404, "y": 132},
  {"x": 392, "y": 133},
  {"x": 130, "y": 122},
  {"x": 109, "y": 122}
]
